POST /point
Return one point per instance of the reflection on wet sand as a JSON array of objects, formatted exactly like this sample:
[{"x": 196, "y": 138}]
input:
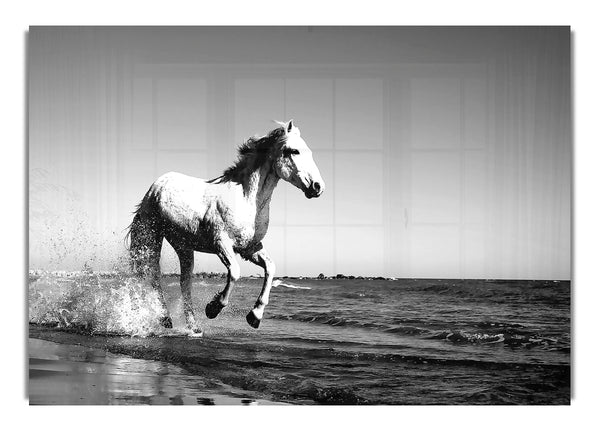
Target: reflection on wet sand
[{"x": 68, "y": 374}]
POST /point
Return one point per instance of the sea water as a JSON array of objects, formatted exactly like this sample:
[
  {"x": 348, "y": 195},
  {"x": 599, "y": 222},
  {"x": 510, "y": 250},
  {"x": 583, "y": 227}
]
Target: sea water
[{"x": 334, "y": 341}]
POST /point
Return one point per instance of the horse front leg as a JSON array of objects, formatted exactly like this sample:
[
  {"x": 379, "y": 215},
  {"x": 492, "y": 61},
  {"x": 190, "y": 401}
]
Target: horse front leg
[
  {"x": 262, "y": 259},
  {"x": 221, "y": 299}
]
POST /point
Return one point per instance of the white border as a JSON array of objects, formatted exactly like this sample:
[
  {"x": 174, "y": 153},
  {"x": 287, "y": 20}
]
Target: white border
[{"x": 16, "y": 17}]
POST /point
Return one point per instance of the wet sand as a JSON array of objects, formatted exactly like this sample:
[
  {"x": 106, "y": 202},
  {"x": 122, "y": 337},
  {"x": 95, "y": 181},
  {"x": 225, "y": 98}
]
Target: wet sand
[{"x": 64, "y": 374}]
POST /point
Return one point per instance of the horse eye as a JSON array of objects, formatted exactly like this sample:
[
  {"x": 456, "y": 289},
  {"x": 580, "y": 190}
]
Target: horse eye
[{"x": 290, "y": 151}]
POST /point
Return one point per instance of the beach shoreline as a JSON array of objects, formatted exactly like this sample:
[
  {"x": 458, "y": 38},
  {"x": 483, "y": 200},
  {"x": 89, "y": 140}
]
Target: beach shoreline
[{"x": 66, "y": 374}]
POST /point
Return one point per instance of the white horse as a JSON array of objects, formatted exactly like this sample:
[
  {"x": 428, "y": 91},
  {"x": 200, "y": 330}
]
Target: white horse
[{"x": 223, "y": 216}]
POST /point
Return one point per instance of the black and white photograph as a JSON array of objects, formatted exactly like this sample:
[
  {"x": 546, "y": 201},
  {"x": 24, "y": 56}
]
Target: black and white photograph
[{"x": 299, "y": 215}]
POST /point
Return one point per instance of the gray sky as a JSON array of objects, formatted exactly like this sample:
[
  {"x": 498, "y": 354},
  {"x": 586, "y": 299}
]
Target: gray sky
[{"x": 446, "y": 151}]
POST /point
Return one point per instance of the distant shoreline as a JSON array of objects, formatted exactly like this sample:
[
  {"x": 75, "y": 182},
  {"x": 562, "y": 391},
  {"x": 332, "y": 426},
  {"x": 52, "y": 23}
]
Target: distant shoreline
[
  {"x": 208, "y": 275},
  {"x": 36, "y": 274}
]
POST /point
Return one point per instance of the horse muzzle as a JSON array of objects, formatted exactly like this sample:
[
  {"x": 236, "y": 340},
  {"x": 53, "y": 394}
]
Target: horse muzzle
[{"x": 315, "y": 190}]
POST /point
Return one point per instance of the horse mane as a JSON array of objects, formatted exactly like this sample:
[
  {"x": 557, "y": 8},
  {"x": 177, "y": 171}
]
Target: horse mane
[{"x": 251, "y": 155}]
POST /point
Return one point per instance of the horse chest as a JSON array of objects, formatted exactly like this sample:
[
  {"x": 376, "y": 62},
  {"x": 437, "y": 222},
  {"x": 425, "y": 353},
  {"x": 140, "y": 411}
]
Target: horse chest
[
  {"x": 261, "y": 226},
  {"x": 249, "y": 228}
]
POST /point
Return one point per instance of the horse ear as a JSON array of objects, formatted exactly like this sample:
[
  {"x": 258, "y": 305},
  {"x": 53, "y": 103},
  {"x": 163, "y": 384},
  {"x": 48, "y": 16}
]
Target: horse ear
[{"x": 290, "y": 126}]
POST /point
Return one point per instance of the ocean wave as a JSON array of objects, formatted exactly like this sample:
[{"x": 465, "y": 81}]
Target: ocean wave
[
  {"x": 509, "y": 334},
  {"x": 279, "y": 283},
  {"x": 510, "y": 328},
  {"x": 513, "y": 340},
  {"x": 465, "y": 337},
  {"x": 407, "y": 330},
  {"x": 326, "y": 318}
]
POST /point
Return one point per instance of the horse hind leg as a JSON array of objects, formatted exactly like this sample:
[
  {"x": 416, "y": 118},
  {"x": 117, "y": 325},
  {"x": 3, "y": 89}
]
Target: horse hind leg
[
  {"x": 186, "y": 263},
  {"x": 145, "y": 245},
  {"x": 155, "y": 279}
]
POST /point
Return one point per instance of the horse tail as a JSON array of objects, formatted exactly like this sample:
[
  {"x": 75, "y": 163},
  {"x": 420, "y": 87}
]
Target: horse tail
[{"x": 145, "y": 237}]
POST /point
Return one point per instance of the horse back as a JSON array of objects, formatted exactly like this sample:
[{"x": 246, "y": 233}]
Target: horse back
[{"x": 197, "y": 213}]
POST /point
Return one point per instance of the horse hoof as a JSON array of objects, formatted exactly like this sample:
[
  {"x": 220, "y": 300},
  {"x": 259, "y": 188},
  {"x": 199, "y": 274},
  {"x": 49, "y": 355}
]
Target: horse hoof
[
  {"x": 166, "y": 322},
  {"x": 213, "y": 308},
  {"x": 252, "y": 320}
]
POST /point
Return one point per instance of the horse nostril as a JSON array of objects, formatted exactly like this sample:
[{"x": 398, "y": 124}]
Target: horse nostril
[{"x": 316, "y": 187}]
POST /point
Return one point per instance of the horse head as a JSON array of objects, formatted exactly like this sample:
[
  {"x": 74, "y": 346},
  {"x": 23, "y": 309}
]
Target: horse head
[{"x": 294, "y": 163}]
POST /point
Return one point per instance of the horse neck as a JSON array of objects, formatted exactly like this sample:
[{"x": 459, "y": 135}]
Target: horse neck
[{"x": 260, "y": 186}]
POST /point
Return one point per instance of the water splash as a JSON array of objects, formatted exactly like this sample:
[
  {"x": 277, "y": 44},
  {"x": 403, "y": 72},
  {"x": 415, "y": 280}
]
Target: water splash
[{"x": 95, "y": 303}]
